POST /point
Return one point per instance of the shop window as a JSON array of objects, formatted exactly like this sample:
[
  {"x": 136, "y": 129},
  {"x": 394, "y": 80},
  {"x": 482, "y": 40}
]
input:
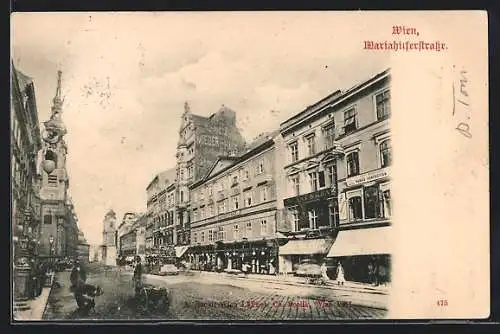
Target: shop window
[
  {"x": 385, "y": 153},
  {"x": 311, "y": 144},
  {"x": 385, "y": 199},
  {"x": 371, "y": 202},
  {"x": 263, "y": 227},
  {"x": 313, "y": 181},
  {"x": 383, "y": 105},
  {"x": 353, "y": 163},
  {"x": 313, "y": 219},
  {"x": 294, "y": 151},
  {"x": 294, "y": 180},
  {"x": 350, "y": 120},
  {"x": 355, "y": 208}
]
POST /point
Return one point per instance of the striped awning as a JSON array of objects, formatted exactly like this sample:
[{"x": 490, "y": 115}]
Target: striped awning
[{"x": 306, "y": 247}]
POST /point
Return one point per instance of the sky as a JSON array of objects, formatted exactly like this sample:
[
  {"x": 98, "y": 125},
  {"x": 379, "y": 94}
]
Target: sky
[{"x": 126, "y": 77}]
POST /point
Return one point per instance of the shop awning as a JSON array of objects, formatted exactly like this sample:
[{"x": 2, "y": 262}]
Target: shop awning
[
  {"x": 365, "y": 241},
  {"x": 306, "y": 247},
  {"x": 180, "y": 250}
]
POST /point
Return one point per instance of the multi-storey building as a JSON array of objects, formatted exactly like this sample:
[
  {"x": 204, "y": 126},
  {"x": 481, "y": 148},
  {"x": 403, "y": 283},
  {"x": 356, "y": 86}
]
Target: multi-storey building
[
  {"x": 82, "y": 248},
  {"x": 25, "y": 144},
  {"x": 338, "y": 197},
  {"x": 128, "y": 243},
  {"x": 365, "y": 207},
  {"x": 235, "y": 209},
  {"x": 201, "y": 141},
  {"x": 160, "y": 228},
  {"x": 128, "y": 220}
]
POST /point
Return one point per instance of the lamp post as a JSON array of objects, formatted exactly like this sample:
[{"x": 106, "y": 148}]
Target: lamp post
[{"x": 51, "y": 250}]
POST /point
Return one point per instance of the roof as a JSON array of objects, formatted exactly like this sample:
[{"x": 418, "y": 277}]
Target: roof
[
  {"x": 168, "y": 176},
  {"x": 333, "y": 98}
]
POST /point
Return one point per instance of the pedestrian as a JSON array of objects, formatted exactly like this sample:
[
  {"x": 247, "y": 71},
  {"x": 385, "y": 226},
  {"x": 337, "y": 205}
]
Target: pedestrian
[
  {"x": 324, "y": 274},
  {"x": 33, "y": 279},
  {"x": 370, "y": 273},
  {"x": 137, "y": 278},
  {"x": 340, "y": 274},
  {"x": 382, "y": 272}
]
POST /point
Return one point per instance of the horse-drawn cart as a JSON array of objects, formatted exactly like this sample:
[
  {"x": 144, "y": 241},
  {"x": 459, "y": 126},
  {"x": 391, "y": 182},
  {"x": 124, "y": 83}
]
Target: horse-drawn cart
[{"x": 151, "y": 297}]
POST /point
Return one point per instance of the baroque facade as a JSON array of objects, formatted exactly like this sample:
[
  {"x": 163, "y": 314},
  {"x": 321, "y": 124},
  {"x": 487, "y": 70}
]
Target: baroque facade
[{"x": 201, "y": 141}]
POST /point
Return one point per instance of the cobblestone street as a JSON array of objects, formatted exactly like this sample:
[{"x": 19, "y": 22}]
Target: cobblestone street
[{"x": 193, "y": 299}]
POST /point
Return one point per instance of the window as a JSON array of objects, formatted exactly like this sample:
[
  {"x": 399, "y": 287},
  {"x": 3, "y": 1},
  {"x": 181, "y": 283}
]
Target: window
[
  {"x": 210, "y": 192},
  {"x": 222, "y": 207},
  {"x": 383, "y": 105},
  {"x": 294, "y": 179},
  {"x": 349, "y": 120},
  {"x": 332, "y": 175},
  {"x": 202, "y": 236},
  {"x": 236, "y": 231},
  {"x": 329, "y": 134},
  {"x": 321, "y": 179},
  {"x": 371, "y": 202},
  {"x": 182, "y": 174},
  {"x": 249, "y": 229},
  {"x": 52, "y": 180},
  {"x": 182, "y": 196},
  {"x": 334, "y": 214},
  {"x": 210, "y": 235},
  {"x": 295, "y": 219},
  {"x": 355, "y": 209},
  {"x": 235, "y": 181},
  {"x": 263, "y": 227},
  {"x": 264, "y": 195},
  {"x": 195, "y": 237},
  {"x": 202, "y": 195},
  {"x": 386, "y": 206},
  {"x": 313, "y": 181},
  {"x": 202, "y": 213},
  {"x": 221, "y": 233},
  {"x": 353, "y": 164},
  {"x": 385, "y": 153},
  {"x": 248, "y": 198},
  {"x": 210, "y": 210},
  {"x": 294, "y": 151},
  {"x": 245, "y": 175},
  {"x": 313, "y": 218},
  {"x": 47, "y": 219},
  {"x": 260, "y": 167},
  {"x": 236, "y": 203},
  {"x": 311, "y": 144}
]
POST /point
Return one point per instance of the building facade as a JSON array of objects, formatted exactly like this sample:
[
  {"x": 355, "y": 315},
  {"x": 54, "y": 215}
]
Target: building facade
[
  {"x": 201, "y": 141},
  {"x": 82, "y": 248},
  {"x": 25, "y": 144},
  {"x": 365, "y": 206},
  {"x": 235, "y": 216},
  {"x": 128, "y": 243},
  {"x": 160, "y": 211},
  {"x": 128, "y": 220}
]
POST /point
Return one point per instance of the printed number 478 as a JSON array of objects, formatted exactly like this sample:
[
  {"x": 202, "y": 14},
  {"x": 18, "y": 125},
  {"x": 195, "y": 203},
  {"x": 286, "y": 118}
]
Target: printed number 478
[{"x": 442, "y": 302}]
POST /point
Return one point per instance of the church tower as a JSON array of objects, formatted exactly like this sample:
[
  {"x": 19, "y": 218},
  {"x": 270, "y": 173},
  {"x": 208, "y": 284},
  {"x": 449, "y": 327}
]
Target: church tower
[
  {"x": 54, "y": 179},
  {"x": 109, "y": 236}
]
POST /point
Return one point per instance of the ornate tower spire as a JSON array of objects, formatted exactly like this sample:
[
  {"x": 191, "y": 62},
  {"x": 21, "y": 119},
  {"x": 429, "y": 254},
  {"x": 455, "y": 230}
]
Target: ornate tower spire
[
  {"x": 57, "y": 101},
  {"x": 187, "y": 108}
]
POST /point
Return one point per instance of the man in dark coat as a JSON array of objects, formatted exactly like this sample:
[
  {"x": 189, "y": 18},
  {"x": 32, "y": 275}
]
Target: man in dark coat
[{"x": 137, "y": 278}]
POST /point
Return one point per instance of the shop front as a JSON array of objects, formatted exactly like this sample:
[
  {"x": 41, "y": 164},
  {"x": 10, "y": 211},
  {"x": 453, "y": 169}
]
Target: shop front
[
  {"x": 364, "y": 254},
  {"x": 261, "y": 257},
  {"x": 299, "y": 251}
]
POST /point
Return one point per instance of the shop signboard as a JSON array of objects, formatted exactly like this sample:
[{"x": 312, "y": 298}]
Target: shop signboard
[{"x": 368, "y": 177}]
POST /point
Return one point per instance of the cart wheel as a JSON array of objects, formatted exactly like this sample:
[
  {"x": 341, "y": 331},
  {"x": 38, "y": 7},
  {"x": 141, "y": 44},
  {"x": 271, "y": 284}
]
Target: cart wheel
[{"x": 143, "y": 299}]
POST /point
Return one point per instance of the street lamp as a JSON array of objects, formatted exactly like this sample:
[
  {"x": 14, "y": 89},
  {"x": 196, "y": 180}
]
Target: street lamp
[{"x": 51, "y": 242}]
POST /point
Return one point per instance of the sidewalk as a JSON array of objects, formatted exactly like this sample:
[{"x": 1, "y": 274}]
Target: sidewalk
[
  {"x": 36, "y": 306},
  {"x": 348, "y": 286}
]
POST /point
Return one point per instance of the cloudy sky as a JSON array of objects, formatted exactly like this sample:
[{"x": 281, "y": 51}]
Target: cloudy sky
[{"x": 126, "y": 77}]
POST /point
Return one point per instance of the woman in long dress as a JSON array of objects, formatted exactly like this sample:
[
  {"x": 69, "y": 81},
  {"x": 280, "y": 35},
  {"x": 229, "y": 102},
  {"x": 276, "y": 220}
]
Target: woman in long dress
[{"x": 340, "y": 274}]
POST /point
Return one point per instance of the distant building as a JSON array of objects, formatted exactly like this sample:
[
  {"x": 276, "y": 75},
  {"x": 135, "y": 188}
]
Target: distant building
[
  {"x": 82, "y": 248},
  {"x": 201, "y": 141},
  {"x": 109, "y": 238},
  {"x": 129, "y": 219},
  {"x": 160, "y": 211}
]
